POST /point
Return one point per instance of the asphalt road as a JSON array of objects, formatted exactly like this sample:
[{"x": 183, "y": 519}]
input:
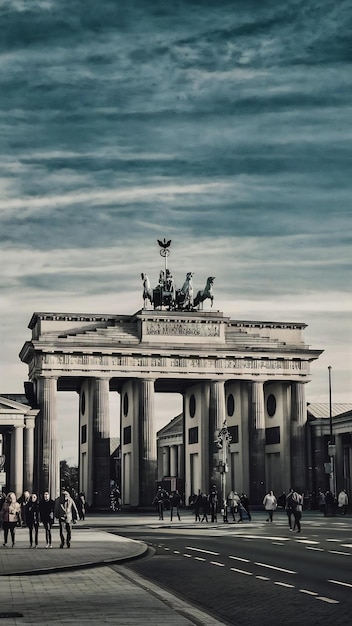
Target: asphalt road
[{"x": 255, "y": 573}]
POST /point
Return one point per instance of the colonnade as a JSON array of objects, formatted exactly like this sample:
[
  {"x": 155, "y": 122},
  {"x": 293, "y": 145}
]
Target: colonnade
[{"x": 143, "y": 452}]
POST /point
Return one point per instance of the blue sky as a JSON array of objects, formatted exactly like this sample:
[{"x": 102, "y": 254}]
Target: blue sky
[{"x": 224, "y": 126}]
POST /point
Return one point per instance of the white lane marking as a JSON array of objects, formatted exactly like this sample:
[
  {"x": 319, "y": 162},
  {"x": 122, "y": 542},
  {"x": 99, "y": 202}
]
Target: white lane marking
[
  {"x": 309, "y": 593},
  {"x": 317, "y": 549},
  {"x": 204, "y": 551},
  {"x": 338, "y": 552},
  {"x": 276, "y": 543},
  {"x": 176, "y": 552},
  {"x": 218, "y": 564},
  {"x": 189, "y": 556},
  {"x": 307, "y": 541},
  {"x": 166, "y": 548},
  {"x": 199, "y": 558},
  {"x": 337, "y": 540},
  {"x": 262, "y": 578},
  {"x": 246, "y": 536},
  {"x": 328, "y": 600},
  {"x": 238, "y": 558},
  {"x": 346, "y": 545},
  {"x": 240, "y": 571},
  {"x": 284, "y": 584},
  {"x": 279, "y": 569},
  {"x": 339, "y": 582}
]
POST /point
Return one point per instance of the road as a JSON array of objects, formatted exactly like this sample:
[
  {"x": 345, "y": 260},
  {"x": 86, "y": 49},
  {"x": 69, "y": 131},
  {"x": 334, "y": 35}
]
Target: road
[{"x": 254, "y": 573}]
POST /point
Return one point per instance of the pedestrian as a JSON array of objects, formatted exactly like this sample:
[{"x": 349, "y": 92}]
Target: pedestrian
[
  {"x": 24, "y": 501},
  {"x": 160, "y": 500},
  {"x": 198, "y": 500},
  {"x": 82, "y": 505},
  {"x": 330, "y": 504},
  {"x": 67, "y": 514},
  {"x": 46, "y": 512},
  {"x": 205, "y": 507},
  {"x": 270, "y": 504},
  {"x": 213, "y": 501},
  {"x": 237, "y": 506},
  {"x": 175, "y": 502},
  {"x": 297, "y": 499},
  {"x": 11, "y": 516},
  {"x": 289, "y": 507},
  {"x": 32, "y": 514},
  {"x": 342, "y": 501},
  {"x": 245, "y": 503},
  {"x": 230, "y": 504},
  {"x": 321, "y": 502}
]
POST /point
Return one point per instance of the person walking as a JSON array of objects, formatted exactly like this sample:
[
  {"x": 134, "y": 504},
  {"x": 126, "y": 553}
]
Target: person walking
[
  {"x": 330, "y": 508},
  {"x": 230, "y": 504},
  {"x": 46, "y": 513},
  {"x": 213, "y": 501},
  {"x": 175, "y": 502},
  {"x": 289, "y": 507},
  {"x": 23, "y": 501},
  {"x": 67, "y": 514},
  {"x": 321, "y": 502},
  {"x": 11, "y": 516},
  {"x": 237, "y": 507},
  {"x": 205, "y": 507},
  {"x": 82, "y": 505},
  {"x": 198, "y": 500},
  {"x": 297, "y": 499},
  {"x": 342, "y": 501},
  {"x": 245, "y": 503},
  {"x": 160, "y": 500},
  {"x": 270, "y": 504},
  {"x": 33, "y": 519}
]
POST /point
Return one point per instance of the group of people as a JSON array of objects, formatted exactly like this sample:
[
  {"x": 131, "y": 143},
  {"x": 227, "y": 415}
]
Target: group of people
[
  {"x": 30, "y": 511},
  {"x": 329, "y": 504},
  {"x": 211, "y": 504},
  {"x": 162, "y": 499}
]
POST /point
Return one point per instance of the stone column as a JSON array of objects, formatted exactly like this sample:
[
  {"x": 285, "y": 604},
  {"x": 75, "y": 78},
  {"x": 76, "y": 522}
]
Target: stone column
[
  {"x": 216, "y": 419},
  {"x": 17, "y": 465},
  {"x": 298, "y": 438},
  {"x": 166, "y": 460},
  {"x": 173, "y": 461},
  {"x": 49, "y": 477},
  {"x": 257, "y": 444},
  {"x": 101, "y": 444},
  {"x": 28, "y": 454},
  {"x": 147, "y": 442}
]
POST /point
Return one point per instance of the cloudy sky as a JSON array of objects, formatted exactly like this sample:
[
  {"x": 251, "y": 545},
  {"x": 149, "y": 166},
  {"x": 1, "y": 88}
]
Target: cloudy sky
[{"x": 224, "y": 126}]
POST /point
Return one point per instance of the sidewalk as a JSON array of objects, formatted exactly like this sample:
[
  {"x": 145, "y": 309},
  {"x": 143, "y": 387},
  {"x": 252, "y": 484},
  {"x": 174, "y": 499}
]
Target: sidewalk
[{"x": 87, "y": 583}]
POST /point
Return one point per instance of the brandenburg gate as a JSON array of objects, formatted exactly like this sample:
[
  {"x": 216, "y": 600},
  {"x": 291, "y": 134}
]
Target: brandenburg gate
[{"x": 250, "y": 373}]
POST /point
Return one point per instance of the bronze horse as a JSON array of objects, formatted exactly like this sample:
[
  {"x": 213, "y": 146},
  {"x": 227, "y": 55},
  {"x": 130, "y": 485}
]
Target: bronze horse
[{"x": 207, "y": 292}]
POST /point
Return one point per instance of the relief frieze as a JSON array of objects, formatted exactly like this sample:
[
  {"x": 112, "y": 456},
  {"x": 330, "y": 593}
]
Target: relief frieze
[
  {"x": 162, "y": 363},
  {"x": 194, "y": 329}
]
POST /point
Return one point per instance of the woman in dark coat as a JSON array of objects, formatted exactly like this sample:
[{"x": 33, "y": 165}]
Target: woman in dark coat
[
  {"x": 46, "y": 510},
  {"x": 33, "y": 519}
]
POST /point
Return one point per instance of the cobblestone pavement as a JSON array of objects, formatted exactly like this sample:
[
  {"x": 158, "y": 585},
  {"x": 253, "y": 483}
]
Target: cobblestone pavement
[{"x": 86, "y": 584}]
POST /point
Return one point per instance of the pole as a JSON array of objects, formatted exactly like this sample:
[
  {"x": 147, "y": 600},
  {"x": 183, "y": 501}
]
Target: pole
[
  {"x": 330, "y": 405},
  {"x": 331, "y": 445}
]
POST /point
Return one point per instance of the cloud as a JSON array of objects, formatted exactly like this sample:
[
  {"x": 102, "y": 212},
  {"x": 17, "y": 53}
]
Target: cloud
[{"x": 223, "y": 126}]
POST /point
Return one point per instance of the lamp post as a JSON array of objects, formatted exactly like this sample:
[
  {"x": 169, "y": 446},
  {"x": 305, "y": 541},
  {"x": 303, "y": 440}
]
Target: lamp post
[
  {"x": 223, "y": 440},
  {"x": 331, "y": 443}
]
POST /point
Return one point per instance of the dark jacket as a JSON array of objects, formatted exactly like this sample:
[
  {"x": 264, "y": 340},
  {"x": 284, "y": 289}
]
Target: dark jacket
[
  {"x": 46, "y": 510},
  {"x": 32, "y": 516}
]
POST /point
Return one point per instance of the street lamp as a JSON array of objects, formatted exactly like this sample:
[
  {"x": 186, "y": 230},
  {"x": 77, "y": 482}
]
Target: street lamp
[
  {"x": 331, "y": 442},
  {"x": 223, "y": 441}
]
